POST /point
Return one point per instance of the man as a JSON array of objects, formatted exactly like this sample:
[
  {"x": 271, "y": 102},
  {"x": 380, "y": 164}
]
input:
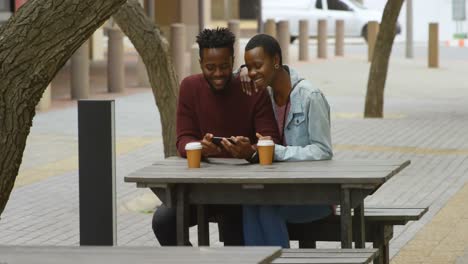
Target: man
[{"x": 213, "y": 104}]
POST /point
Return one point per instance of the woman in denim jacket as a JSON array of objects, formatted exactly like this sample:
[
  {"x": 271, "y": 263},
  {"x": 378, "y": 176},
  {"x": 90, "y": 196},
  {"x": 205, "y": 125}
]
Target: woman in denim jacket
[{"x": 303, "y": 117}]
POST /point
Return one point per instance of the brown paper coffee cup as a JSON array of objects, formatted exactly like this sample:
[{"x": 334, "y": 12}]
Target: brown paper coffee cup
[
  {"x": 266, "y": 150},
  {"x": 193, "y": 150}
]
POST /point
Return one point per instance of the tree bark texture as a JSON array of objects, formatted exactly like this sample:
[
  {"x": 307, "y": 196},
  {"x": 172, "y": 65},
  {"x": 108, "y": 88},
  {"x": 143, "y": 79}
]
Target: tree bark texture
[
  {"x": 379, "y": 67},
  {"x": 154, "y": 50},
  {"x": 35, "y": 43}
]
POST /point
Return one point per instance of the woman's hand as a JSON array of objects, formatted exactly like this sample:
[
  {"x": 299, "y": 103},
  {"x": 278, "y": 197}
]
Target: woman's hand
[
  {"x": 260, "y": 137},
  {"x": 248, "y": 86}
]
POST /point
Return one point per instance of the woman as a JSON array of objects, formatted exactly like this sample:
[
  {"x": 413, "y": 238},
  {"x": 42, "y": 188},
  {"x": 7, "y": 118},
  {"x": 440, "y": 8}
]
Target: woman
[{"x": 303, "y": 117}]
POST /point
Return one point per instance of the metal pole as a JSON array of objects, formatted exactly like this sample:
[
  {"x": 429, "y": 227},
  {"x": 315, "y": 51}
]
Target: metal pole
[
  {"x": 409, "y": 29},
  {"x": 260, "y": 28},
  {"x": 201, "y": 15},
  {"x": 150, "y": 9},
  {"x": 96, "y": 153}
]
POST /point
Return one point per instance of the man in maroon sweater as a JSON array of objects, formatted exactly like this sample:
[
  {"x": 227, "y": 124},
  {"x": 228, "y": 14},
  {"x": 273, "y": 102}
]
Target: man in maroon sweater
[{"x": 213, "y": 104}]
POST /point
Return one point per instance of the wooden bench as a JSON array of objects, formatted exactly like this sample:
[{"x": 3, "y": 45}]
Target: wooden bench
[
  {"x": 329, "y": 256},
  {"x": 379, "y": 228}
]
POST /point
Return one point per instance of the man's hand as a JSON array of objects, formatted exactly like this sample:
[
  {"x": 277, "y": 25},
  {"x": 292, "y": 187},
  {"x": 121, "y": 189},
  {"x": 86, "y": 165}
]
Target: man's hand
[
  {"x": 241, "y": 150},
  {"x": 208, "y": 147},
  {"x": 248, "y": 86}
]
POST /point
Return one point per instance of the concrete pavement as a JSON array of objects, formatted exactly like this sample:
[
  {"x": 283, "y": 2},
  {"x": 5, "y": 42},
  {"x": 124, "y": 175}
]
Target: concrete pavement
[{"x": 425, "y": 121}]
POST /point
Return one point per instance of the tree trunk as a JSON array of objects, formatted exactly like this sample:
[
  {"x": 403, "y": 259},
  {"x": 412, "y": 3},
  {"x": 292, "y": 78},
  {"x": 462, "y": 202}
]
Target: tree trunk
[
  {"x": 154, "y": 50},
  {"x": 34, "y": 44},
  {"x": 380, "y": 60}
]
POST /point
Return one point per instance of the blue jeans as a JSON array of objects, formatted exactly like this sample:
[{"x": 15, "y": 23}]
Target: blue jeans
[{"x": 266, "y": 225}]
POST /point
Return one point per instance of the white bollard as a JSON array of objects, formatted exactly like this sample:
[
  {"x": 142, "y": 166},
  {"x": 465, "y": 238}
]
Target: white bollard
[
  {"x": 339, "y": 38},
  {"x": 433, "y": 56},
  {"x": 178, "y": 49},
  {"x": 115, "y": 61},
  {"x": 284, "y": 38},
  {"x": 372, "y": 32},
  {"x": 195, "y": 60},
  {"x": 270, "y": 27},
  {"x": 234, "y": 27},
  {"x": 80, "y": 73},
  {"x": 322, "y": 39},
  {"x": 46, "y": 99},
  {"x": 303, "y": 40}
]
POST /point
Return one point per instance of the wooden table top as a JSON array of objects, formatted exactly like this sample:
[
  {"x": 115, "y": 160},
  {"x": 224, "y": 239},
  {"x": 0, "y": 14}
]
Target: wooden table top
[{"x": 175, "y": 170}]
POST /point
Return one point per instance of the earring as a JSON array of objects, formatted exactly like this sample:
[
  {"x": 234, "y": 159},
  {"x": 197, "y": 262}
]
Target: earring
[{"x": 276, "y": 66}]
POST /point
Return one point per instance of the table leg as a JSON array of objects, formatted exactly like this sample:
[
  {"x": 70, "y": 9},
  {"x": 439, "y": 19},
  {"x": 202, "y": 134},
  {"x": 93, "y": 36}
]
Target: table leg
[
  {"x": 346, "y": 219},
  {"x": 360, "y": 240},
  {"x": 203, "y": 227},
  {"x": 182, "y": 216}
]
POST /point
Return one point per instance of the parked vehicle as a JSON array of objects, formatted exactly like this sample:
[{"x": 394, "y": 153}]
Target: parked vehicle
[{"x": 355, "y": 15}]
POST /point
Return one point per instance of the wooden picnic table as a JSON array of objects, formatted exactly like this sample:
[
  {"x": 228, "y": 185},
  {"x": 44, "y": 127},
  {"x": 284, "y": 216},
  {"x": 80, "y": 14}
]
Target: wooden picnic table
[
  {"x": 140, "y": 255},
  {"x": 233, "y": 181}
]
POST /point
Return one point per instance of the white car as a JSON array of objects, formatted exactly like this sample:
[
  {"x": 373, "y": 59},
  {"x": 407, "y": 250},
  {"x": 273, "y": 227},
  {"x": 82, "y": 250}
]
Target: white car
[{"x": 355, "y": 15}]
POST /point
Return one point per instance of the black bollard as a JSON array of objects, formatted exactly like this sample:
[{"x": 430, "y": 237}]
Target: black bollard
[{"x": 96, "y": 148}]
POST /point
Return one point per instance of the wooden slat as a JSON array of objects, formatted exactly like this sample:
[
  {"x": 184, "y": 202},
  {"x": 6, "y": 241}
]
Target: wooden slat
[
  {"x": 262, "y": 177},
  {"x": 324, "y": 256},
  {"x": 320, "y": 261},
  {"x": 329, "y": 250},
  {"x": 72, "y": 255},
  {"x": 392, "y": 214},
  {"x": 334, "y": 162}
]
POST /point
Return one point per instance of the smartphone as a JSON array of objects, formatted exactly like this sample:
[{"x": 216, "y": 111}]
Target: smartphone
[{"x": 217, "y": 141}]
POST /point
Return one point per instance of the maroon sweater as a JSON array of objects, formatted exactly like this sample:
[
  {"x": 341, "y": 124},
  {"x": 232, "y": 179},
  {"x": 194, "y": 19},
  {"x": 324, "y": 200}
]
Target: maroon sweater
[{"x": 225, "y": 113}]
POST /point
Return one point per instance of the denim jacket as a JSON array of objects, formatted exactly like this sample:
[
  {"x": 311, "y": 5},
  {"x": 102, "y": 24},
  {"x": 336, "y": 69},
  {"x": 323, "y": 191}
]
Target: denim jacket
[{"x": 307, "y": 127}]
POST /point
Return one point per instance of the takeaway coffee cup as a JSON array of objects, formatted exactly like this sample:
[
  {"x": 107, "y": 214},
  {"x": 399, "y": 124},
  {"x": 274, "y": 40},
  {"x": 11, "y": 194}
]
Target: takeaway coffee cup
[
  {"x": 193, "y": 150},
  {"x": 265, "y": 151}
]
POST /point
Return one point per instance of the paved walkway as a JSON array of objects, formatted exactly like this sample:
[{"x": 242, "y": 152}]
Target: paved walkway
[{"x": 426, "y": 122}]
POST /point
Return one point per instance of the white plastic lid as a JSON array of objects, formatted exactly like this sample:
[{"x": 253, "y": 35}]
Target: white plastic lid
[
  {"x": 193, "y": 146},
  {"x": 265, "y": 143}
]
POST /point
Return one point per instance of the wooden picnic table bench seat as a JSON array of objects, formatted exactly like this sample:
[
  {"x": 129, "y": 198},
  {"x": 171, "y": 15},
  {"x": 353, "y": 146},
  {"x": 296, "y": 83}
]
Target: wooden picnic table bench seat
[
  {"x": 326, "y": 256},
  {"x": 379, "y": 228}
]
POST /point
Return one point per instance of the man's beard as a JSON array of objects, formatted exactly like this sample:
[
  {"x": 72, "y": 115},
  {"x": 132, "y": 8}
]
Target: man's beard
[{"x": 217, "y": 91}]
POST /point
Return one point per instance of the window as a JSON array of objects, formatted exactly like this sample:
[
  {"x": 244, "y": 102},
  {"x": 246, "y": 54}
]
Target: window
[
  {"x": 318, "y": 4},
  {"x": 338, "y": 5}
]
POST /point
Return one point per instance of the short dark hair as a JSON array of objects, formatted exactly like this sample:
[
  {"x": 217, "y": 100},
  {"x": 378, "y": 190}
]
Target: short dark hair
[
  {"x": 216, "y": 38},
  {"x": 269, "y": 44}
]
